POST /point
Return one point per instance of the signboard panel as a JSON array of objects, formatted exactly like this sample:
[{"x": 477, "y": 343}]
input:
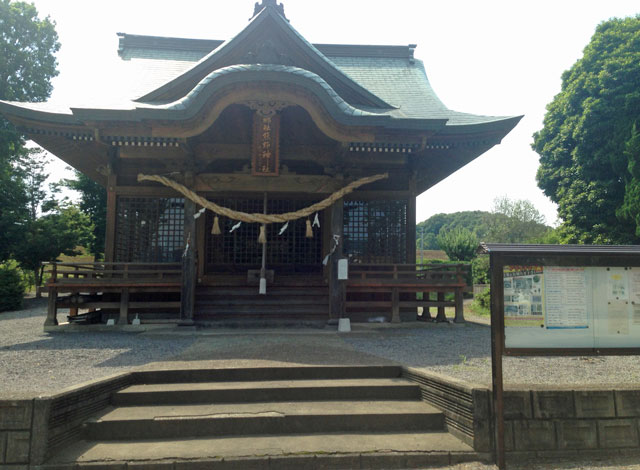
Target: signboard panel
[{"x": 571, "y": 306}]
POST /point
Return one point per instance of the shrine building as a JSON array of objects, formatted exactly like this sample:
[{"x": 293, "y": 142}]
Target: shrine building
[{"x": 240, "y": 172}]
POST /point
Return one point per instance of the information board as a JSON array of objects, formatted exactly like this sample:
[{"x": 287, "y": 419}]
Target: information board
[{"x": 571, "y": 306}]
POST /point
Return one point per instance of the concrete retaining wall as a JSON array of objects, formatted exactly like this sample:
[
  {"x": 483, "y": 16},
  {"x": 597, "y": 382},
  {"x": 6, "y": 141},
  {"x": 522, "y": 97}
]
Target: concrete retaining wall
[
  {"x": 31, "y": 429},
  {"x": 537, "y": 422},
  {"x": 16, "y": 420},
  {"x": 572, "y": 420}
]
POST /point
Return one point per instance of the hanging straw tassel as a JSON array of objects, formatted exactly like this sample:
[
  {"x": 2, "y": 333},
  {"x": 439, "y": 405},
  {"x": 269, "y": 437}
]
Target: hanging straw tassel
[
  {"x": 309, "y": 229},
  {"x": 215, "y": 230},
  {"x": 262, "y": 238}
]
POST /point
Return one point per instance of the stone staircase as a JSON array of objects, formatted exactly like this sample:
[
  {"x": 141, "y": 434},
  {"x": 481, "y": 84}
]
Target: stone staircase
[{"x": 279, "y": 417}]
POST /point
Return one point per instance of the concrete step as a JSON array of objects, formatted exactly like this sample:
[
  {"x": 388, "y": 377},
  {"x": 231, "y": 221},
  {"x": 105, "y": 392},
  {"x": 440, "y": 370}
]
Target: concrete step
[
  {"x": 301, "y": 451},
  {"x": 175, "y": 422},
  {"x": 250, "y": 374},
  {"x": 267, "y": 391}
]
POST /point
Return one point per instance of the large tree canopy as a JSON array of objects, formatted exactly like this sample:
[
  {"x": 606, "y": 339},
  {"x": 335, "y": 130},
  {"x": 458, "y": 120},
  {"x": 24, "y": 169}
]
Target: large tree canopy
[
  {"x": 589, "y": 148},
  {"x": 27, "y": 64}
]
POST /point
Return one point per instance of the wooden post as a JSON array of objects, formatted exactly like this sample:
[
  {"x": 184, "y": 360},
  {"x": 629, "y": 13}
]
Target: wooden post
[
  {"x": 459, "y": 318},
  {"x": 189, "y": 274},
  {"x": 52, "y": 308},
  {"x": 124, "y": 307},
  {"x": 395, "y": 305},
  {"x": 110, "y": 235},
  {"x": 411, "y": 222},
  {"x": 336, "y": 288},
  {"x": 441, "y": 317}
]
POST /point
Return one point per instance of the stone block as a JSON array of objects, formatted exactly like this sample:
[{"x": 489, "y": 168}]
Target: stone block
[
  {"x": 148, "y": 466},
  {"x": 482, "y": 440},
  {"x": 291, "y": 462},
  {"x": 213, "y": 464},
  {"x": 331, "y": 462},
  {"x": 15, "y": 415},
  {"x": 382, "y": 461},
  {"x": 577, "y": 434},
  {"x": 553, "y": 404},
  {"x": 594, "y": 404},
  {"x": 628, "y": 403},
  {"x": 426, "y": 460},
  {"x": 517, "y": 405},
  {"x": 102, "y": 466},
  {"x": 614, "y": 433},
  {"x": 508, "y": 436},
  {"x": 3, "y": 446},
  {"x": 481, "y": 403},
  {"x": 18, "y": 447},
  {"x": 534, "y": 435}
]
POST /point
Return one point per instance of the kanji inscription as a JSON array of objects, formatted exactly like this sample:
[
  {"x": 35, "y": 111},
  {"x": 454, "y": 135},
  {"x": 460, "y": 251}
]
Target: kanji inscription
[{"x": 266, "y": 148}]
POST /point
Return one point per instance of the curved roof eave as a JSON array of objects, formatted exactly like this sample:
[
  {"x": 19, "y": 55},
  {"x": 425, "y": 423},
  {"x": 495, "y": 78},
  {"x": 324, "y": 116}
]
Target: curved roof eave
[
  {"x": 191, "y": 104},
  {"x": 38, "y": 112},
  {"x": 226, "y": 47}
]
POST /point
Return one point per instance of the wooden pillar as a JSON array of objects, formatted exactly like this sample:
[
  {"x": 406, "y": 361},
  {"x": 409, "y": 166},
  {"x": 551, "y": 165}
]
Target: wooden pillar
[
  {"x": 189, "y": 267},
  {"x": 411, "y": 221},
  {"x": 110, "y": 235},
  {"x": 441, "y": 317},
  {"x": 336, "y": 288},
  {"x": 459, "y": 306},
  {"x": 52, "y": 308},
  {"x": 124, "y": 307},
  {"x": 395, "y": 305}
]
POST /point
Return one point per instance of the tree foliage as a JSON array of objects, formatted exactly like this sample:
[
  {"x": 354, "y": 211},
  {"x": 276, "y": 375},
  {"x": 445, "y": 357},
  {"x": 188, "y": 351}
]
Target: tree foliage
[
  {"x": 515, "y": 221},
  {"x": 511, "y": 221},
  {"x": 459, "y": 244},
  {"x": 589, "y": 146},
  {"x": 61, "y": 231},
  {"x": 27, "y": 64},
  {"x": 93, "y": 202}
]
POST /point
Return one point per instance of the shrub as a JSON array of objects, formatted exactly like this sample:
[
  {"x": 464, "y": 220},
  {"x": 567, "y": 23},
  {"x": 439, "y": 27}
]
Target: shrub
[
  {"x": 480, "y": 270},
  {"x": 482, "y": 303},
  {"x": 11, "y": 286}
]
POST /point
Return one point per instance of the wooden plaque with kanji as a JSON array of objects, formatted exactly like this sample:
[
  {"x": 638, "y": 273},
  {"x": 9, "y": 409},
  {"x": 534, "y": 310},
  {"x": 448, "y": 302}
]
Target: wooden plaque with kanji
[{"x": 266, "y": 145}]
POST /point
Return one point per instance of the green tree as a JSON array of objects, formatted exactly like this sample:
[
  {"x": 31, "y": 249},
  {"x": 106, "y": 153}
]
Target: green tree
[
  {"x": 61, "y": 231},
  {"x": 588, "y": 146},
  {"x": 515, "y": 221},
  {"x": 27, "y": 64},
  {"x": 93, "y": 202},
  {"x": 459, "y": 244}
]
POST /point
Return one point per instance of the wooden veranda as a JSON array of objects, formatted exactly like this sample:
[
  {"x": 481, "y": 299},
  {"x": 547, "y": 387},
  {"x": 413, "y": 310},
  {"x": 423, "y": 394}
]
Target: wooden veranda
[{"x": 155, "y": 292}]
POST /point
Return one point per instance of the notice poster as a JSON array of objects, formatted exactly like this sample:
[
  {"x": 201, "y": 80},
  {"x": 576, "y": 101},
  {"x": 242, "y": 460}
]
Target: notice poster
[
  {"x": 523, "y": 296},
  {"x": 565, "y": 297},
  {"x": 634, "y": 285},
  {"x": 618, "y": 318},
  {"x": 617, "y": 286}
]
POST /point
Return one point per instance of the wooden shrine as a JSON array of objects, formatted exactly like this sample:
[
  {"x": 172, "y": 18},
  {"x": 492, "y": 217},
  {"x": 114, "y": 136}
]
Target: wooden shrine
[{"x": 265, "y": 124}]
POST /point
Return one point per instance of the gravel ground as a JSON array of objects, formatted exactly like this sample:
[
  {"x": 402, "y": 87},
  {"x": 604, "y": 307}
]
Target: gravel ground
[{"x": 33, "y": 362}]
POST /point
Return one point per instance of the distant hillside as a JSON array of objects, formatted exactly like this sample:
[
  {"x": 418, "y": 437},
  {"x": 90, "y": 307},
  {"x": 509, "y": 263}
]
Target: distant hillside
[{"x": 488, "y": 227}]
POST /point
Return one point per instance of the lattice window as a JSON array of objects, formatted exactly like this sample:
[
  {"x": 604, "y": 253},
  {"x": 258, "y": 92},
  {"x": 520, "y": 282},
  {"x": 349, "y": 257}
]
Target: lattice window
[
  {"x": 149, "y": 230},
  {"x": 375, "y": 231},
  {"x": 240, "y": 250}
]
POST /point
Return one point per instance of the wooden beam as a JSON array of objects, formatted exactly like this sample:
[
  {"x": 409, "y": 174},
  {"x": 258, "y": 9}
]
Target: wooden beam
[
  {"x": 317, "y": 184},
  {"x": 411, "y": 221}
]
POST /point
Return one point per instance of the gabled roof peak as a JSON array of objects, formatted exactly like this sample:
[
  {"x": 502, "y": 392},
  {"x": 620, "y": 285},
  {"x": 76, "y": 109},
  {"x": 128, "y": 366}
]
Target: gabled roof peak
[{"x": 268, "y": 4}]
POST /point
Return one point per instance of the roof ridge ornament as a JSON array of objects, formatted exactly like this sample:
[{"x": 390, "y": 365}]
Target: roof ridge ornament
[{"x": 266, "y": 4}]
